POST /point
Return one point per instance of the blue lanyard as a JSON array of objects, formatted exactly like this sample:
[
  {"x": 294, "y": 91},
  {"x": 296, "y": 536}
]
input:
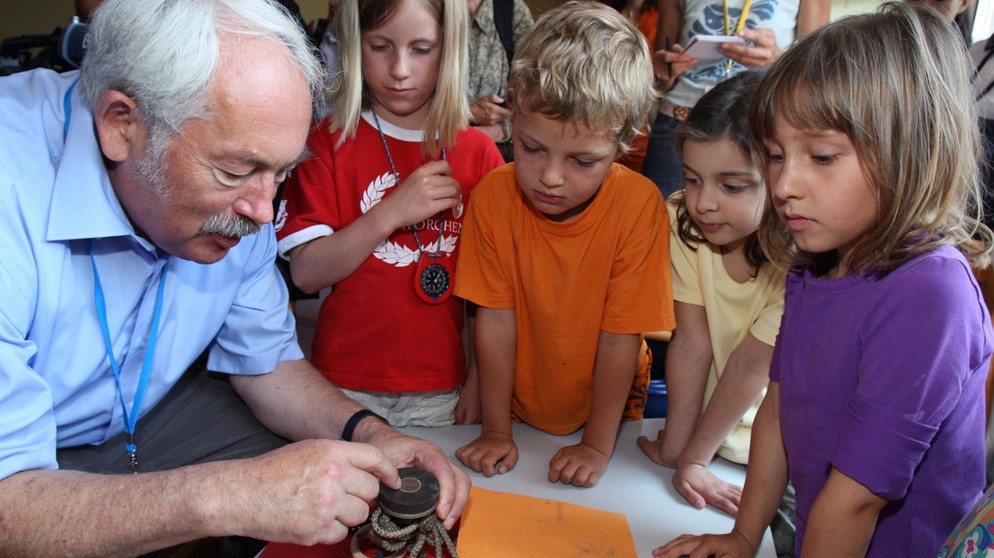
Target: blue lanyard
[
  {"x": 130, "y": 419},
  {"x": 67, "y": 105}
]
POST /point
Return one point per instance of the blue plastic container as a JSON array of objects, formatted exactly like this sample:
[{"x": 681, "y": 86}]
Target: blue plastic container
[{"x": 655, "y": 407}]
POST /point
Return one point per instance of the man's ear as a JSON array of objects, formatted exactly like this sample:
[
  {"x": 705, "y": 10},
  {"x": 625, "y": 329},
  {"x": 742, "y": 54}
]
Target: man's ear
[{"x": 119, "y": 126}]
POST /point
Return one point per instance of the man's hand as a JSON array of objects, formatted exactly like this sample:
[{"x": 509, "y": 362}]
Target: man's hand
[
  {"x": 408, "y": 451},
  {"x": 306, "y": 493},
  {"x": 491, "y": 454},
  {"x": 580, "y": 465}
]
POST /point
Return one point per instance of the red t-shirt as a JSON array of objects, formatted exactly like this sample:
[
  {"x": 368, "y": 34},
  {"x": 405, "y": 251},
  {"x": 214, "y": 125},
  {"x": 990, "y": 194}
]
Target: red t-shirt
[{"x": 374, "y": 333}]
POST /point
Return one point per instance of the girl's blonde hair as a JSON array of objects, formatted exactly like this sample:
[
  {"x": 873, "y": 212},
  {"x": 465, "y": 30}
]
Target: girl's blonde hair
[
  {"x": 896, "y": 83},
  {"x": 584, "y": 63},
  {"x": 449, "y": 110}
]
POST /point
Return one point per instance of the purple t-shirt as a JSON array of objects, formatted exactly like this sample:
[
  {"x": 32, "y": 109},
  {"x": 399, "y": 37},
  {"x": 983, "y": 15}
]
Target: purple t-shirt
[{"x": 883, "y": 379}]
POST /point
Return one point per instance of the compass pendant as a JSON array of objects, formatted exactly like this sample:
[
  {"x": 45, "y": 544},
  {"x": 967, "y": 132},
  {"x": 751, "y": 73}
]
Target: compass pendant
[{"x": 434, "y": 282}]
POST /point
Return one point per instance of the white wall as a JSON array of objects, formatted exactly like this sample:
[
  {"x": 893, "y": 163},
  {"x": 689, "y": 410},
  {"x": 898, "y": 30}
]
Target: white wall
[{"x": 983, "y": 24}]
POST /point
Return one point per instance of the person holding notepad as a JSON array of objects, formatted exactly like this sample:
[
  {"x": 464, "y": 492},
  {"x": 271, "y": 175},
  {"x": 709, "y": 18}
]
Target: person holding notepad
[{"x": 767, "y": 27}]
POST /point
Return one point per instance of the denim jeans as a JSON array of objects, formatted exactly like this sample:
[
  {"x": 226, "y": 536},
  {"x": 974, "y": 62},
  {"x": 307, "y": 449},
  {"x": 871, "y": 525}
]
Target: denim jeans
[{"x": 662, "y": 164}]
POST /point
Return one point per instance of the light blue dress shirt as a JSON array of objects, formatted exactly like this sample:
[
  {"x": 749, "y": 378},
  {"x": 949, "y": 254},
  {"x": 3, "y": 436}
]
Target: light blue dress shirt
[{"x": 57, "y": 388}]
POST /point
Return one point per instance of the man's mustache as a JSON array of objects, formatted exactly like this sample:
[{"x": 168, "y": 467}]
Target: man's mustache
[{"x": 235, "y": 226}]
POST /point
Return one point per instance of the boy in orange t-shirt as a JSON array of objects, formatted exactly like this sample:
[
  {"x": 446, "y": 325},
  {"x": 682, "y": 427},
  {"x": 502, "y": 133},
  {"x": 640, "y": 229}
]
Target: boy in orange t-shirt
[{"x": 566, "y": 252}]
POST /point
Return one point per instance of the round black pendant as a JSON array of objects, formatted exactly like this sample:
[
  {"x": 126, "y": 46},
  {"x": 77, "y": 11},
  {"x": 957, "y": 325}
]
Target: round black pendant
[{"x": 435, "y": 281}]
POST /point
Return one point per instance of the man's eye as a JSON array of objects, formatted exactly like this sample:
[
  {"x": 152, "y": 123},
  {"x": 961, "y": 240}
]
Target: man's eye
[{"x": 229, "y": 178}]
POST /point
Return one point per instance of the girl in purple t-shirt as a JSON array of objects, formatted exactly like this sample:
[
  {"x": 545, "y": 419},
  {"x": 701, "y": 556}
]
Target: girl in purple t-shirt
[{"x": 866, "y": 136}]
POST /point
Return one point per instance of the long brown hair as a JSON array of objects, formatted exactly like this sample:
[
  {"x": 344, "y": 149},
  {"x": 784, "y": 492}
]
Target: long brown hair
[
  {"x": 721, "y": 113},
  {"x": 896, "y": 83}
]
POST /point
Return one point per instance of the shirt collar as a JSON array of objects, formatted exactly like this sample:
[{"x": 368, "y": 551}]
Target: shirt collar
[{"x": 84, "y": 203}]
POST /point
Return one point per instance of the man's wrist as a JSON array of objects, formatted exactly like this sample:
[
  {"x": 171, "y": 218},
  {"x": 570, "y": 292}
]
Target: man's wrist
[{"x": 349, "y": 431}]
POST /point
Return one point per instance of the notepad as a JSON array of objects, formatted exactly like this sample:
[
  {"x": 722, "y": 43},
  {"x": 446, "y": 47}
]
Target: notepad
[
  {"x": 705, "y": 47},
  {"x": 515, "y": 526}
]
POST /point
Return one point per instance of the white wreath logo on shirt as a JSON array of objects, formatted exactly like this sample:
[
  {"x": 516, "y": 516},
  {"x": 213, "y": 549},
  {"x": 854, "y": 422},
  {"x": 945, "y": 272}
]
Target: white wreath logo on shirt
[{"x": 392, "y": 252}]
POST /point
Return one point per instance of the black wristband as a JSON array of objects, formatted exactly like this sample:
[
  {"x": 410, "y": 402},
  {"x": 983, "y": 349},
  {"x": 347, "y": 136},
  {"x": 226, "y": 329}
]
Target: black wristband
[{"x": 354, "y": 420}]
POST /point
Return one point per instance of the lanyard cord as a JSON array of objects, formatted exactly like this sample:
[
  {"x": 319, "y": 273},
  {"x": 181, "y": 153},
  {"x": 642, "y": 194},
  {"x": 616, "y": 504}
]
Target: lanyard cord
[
  {"x": 396, "y": 178},
  {"x": 738, "y": 27},
  {"x": 742, "y": 17},
  {"x": 67, "y": 106},
  {"x": 130, "y": 419}
]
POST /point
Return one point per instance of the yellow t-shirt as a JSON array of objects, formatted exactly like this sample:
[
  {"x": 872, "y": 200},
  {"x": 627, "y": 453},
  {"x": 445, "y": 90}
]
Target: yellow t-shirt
[
  {"x": 608, "y": 269},
  {"x": 733, "y": 310}
]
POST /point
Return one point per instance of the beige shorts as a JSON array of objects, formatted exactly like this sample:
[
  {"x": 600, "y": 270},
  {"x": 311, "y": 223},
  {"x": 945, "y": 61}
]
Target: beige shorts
[{"x": 428, "y": 408}]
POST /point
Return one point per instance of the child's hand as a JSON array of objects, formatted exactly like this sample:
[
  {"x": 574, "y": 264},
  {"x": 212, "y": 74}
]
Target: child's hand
[
  {"x": 763, "y": 52},
  {"x": 654, "y": 449},
  {"x": 731, "y": 545},
  {"x": 468, "y": 407},
  {"x": 579, "y": 465},
  {"x": 700, "y": 487},
  {"x": 492, "y": 453},
  {"x": 425, "y": 192}
]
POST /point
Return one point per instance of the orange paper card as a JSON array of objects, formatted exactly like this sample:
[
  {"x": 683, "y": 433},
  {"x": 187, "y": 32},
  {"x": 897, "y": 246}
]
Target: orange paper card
[{"x": 510, "y": 526}]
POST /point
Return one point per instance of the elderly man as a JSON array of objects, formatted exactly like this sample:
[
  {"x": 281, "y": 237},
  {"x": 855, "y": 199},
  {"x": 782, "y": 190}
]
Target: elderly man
[{"x": 135, "y": 209}]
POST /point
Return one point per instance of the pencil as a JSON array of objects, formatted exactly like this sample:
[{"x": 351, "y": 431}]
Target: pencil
[{"x": 669, "y": 65}]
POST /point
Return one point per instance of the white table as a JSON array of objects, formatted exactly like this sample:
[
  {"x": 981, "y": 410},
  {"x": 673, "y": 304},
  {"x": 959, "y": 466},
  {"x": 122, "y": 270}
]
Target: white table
[{"x": 633, "y": 485}]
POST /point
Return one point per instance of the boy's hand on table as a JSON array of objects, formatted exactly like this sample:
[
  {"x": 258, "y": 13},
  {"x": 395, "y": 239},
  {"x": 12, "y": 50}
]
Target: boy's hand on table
[
  {"x": 491, "y": 454},
  {"x": 580, "y": 465}
]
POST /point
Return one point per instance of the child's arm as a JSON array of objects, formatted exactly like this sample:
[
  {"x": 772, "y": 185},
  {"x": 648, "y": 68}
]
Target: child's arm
[
  {"x": 812, "y": 15},
  {"x": 843, "y": 518},
  {"x": 325, "y": 261},
  {"x": 745, "y": 375},
  {"x": 669, "y": 21},
  {"x": 668, "y": 60},
  {"x": 614, "y": 369},
  {"x": 495, "y": 340},
  {"x": 688, "y": 360},
  {"x": 468, "y": 407},
  {"x": 766, "y": 480}
]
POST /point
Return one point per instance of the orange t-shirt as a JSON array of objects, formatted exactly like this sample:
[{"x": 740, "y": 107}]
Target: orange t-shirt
[{"x": 608, "y": 269}]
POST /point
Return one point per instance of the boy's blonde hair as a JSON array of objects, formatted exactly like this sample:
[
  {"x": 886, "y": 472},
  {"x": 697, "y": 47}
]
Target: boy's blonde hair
[
  {"x": 449, "y": 110},
  {"x": 896, "y": 83},
  {"x": 584, "y": 63}
]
